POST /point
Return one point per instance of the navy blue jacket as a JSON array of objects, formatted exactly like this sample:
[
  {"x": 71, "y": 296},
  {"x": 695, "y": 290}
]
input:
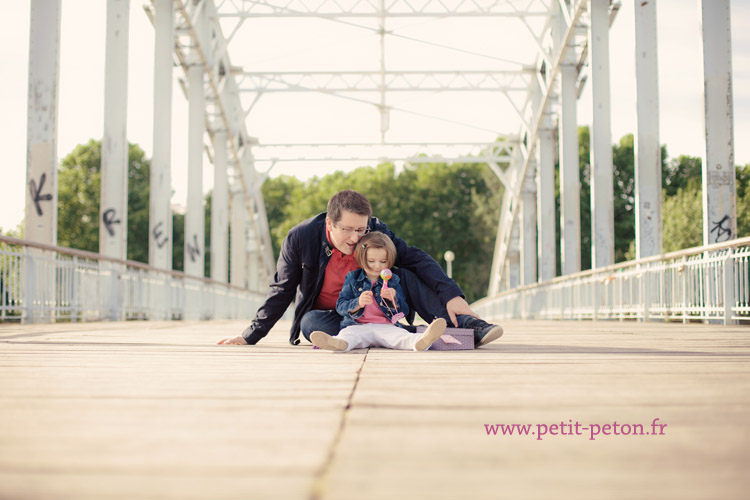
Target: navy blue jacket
[
  {"x": 357, "y": 282},
  {"x": 301, "y": 267}
]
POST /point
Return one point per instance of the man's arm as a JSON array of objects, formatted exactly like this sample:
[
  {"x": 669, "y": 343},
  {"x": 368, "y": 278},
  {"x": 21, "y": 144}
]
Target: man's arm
[
  {"x": 422, "y": 264},
  {"x": 280, "y": 295},
  {"x": 428, "y": 270}
]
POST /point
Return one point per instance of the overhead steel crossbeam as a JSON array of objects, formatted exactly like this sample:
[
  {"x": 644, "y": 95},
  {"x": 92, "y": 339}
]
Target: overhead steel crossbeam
[
  {"x": 394, "y": 81},
  {"x": 412, "y": 153},
  {"x": 373, "y": 8}
]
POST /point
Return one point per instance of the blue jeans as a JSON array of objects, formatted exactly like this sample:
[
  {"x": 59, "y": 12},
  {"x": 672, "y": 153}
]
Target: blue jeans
[{"x": 421, "y": 298}]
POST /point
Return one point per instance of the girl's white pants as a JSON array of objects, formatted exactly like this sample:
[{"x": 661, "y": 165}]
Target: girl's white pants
[{"x": 377, "y": 335}]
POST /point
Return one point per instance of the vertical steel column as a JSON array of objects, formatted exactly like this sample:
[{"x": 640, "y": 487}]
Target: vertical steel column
[
  {"x": 238, "y": 227},
  {"x": 602, "y": 198},
  {"x": 160, "y": 213},
  {"x": 113, "y": 203},
  {"x": 719, "y": 195},
  {"x": 527, "y": 226},
  {"x": 40, "y": 223},
  {"x": 513, "y": 260},
  {"x": 647, "y": 148},
  {"x": 113, "y": 226},
  {"x": 195, "y": 217},
  {"x": 219, "y": 210},
  {"x": 570, "y": 184},
  {"x": 545, "y": 198}
]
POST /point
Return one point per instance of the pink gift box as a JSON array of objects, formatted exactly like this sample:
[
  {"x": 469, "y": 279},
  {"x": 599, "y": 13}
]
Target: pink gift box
[{"x": 454, "y": 339}]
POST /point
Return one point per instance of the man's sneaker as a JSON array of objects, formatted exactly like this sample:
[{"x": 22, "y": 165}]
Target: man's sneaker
[
  {"x": 430, "y": 336},
  {"x": 324, "y": 341},
  {"x": 484, "y": 332}
]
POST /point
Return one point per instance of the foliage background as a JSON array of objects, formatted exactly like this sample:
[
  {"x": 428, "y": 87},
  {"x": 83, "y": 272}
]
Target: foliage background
[{"x": 433, "y": 206}]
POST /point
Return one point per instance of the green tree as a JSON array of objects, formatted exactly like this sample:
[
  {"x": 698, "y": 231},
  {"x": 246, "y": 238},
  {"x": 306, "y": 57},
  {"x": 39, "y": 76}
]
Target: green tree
[
  {"x": 79, "y": 181},
  {"x": 431, "y": 206},
  {"x": 743, "y": 201},
  {"x": 679, "y": 215}
]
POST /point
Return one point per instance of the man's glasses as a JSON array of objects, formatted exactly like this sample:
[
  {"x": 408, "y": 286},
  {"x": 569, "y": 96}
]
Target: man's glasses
[{"x": 350, "y": 230}]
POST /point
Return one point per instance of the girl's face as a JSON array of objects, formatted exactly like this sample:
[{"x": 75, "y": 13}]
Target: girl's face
[{"x": 376, "y": 259}]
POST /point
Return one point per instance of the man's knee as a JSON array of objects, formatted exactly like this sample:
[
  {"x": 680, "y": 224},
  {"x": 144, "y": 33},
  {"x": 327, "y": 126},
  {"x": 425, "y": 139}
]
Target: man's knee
[{"x": 326, "y": 321}]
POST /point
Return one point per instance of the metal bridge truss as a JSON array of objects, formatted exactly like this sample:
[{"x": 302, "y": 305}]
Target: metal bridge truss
[{"x": 557, "y": 28}]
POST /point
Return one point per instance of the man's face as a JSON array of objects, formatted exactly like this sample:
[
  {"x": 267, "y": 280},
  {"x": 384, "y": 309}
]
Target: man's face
[{"x": 347, "y": 231}]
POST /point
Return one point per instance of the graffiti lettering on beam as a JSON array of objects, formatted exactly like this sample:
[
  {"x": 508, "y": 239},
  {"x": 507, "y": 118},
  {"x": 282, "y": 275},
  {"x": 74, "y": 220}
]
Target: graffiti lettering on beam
[
  {"x": 36, "y": 194},
  {"x": 158, "y": 233},
  {"x": 108, "y": 217},
  {"x": 722, "y": 230},
  {"x": 194, "y": 249}
]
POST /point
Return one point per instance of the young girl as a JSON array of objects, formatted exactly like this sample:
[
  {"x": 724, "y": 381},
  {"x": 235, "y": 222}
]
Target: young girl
[{"x": 368, "y": 306}]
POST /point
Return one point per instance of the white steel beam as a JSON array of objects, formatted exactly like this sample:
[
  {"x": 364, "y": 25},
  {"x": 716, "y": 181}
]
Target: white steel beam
[
  {"x": 392, "y": 81},
  {"x": 224, "y": 112},
  {"x": 648, "y": 238},
  {"x": 219, "y": 211},
  {"x": 545, "y": 198},
  {"x": 371, "y": 9},
  {"x": 514, "y": 261},
  {"x": 504, "y": 231},
  {"x": 602, "y": 198},
  {"x": 160, "y": 216},
  {"x": 528, "y": 229},
  {"x": 113, "y": 225},
  {"x": 113, "y": 201},
  {"x": 570, "y": 185},
  {"x": 40, "y": 223},
  {"x": 195, "y": 216},
  {"x": 719, "y": 195},
  {"x": 238, "y": 239}
]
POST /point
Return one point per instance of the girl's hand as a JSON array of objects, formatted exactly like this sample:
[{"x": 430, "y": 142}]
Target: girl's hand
[
  {"x": 389, "y": 293},
  {"x": 365, "y": 298}
]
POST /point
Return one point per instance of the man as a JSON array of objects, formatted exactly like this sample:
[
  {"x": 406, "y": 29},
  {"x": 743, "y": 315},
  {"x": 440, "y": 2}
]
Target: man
[{"x": 317, "y": 254}]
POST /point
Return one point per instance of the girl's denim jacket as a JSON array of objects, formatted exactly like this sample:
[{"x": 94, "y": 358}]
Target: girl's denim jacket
[{"x": 357, "y": 282}]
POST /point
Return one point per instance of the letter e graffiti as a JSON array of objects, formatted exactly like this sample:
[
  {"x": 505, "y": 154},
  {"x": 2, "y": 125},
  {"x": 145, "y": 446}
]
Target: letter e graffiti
[{"x": 158, "y": 233}]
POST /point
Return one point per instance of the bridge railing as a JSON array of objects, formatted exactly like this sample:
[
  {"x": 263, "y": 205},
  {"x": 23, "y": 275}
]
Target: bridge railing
[
  {"x": 43, "y": 283},
  {"x": 704, "y": 283}
]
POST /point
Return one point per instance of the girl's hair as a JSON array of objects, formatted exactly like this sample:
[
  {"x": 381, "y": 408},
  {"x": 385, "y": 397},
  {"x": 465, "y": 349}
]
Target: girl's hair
[{"x": 374, "y": 239}]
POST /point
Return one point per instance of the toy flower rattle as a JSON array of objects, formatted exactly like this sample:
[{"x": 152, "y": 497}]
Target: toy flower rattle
[{"x": 386, "y": 274}]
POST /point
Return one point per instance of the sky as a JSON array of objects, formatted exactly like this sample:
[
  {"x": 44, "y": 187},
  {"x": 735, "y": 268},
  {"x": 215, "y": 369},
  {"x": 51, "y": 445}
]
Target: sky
[{"x": 287, "y": 118}]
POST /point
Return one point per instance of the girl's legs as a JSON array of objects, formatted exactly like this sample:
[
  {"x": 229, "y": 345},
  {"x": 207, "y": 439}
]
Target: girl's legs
[
  {"x": 351, "y": 337},
  {"x": 394, "y": 337}
]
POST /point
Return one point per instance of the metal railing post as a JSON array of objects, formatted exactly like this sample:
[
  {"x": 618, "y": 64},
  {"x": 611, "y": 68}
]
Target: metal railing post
[{"x": 729, "y": 299}]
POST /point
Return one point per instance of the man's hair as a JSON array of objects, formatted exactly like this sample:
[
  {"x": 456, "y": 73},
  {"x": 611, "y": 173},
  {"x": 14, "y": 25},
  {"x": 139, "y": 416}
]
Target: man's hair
[
  {"x": 375, "y": 239},
  {"x": 348, "y": 200}
]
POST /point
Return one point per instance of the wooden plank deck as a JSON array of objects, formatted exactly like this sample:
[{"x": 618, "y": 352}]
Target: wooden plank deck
[{"x": 154, "y": 410}]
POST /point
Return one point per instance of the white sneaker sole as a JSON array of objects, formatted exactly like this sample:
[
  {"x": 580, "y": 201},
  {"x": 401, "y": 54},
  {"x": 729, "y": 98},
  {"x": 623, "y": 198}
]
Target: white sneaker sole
[
  {"x": 430, "y": 336},
  {"x": 324, "y": 341}
]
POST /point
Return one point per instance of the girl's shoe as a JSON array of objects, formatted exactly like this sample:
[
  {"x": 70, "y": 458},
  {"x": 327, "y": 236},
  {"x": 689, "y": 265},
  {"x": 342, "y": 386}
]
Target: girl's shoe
[
  {"x": 324, "y": 341},
  {"x": 430, "y": 336}
]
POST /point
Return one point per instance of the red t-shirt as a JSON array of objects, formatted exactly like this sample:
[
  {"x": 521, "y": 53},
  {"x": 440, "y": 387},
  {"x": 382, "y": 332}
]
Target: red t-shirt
[{"x": 336, "y": 270}]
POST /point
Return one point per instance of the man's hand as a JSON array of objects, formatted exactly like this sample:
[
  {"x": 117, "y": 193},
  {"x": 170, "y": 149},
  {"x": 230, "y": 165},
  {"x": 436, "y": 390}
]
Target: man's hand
[
  {"x": 239, "y": 340},
  {"x": 458, "y": 305}
]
